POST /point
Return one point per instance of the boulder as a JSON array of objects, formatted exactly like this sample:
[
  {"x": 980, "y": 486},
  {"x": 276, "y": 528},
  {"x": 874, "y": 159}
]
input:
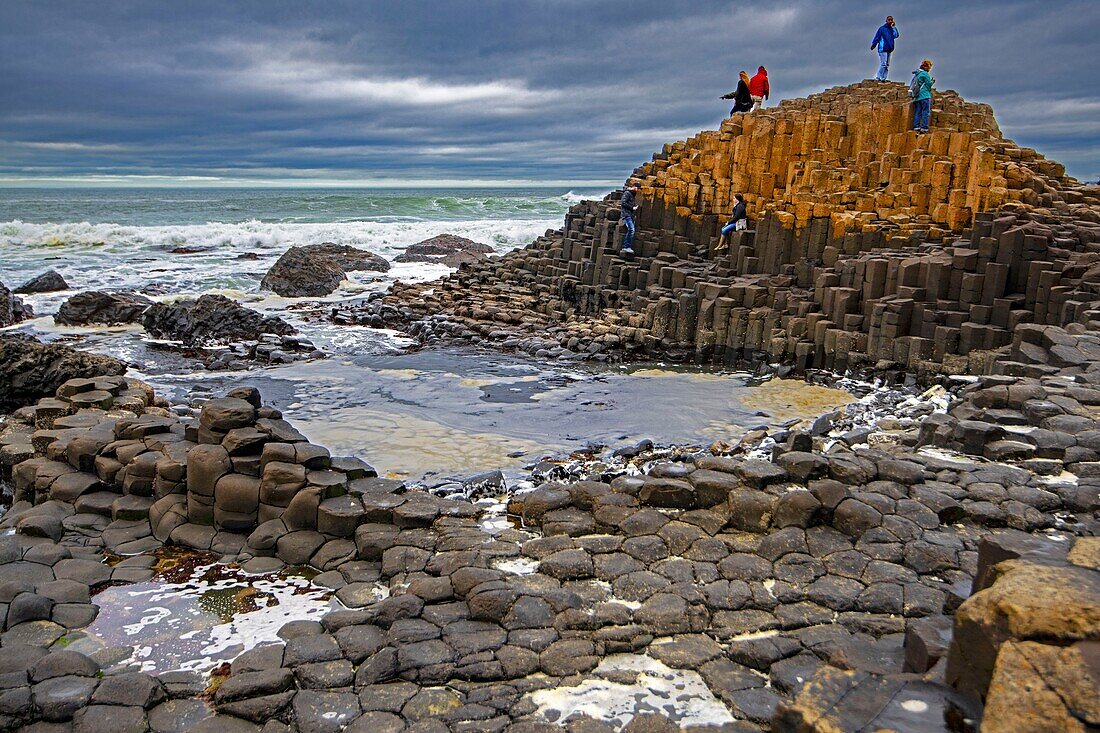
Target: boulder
[
  {"x": 316, "y": 270},
  {"x": 102, "y": 306},
  {"x": 12, "y": 309},
  {"x": 349, "y": 258},
  {"x": 31, "y": 370},
  {"x": 211, "y": 319},
  {"x": 448, "y": 249},
  {"x": 49, "y": 281},
  {"x": 1027, "y": 602}
]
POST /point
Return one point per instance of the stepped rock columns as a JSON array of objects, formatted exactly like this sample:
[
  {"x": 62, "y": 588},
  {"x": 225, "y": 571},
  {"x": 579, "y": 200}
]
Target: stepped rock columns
[{"x": 872, "y": 246}]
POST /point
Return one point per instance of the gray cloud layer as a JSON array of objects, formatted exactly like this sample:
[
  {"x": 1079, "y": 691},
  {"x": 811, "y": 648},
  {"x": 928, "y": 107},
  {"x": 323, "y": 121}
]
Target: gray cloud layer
[{"x": 498, "y": 89}]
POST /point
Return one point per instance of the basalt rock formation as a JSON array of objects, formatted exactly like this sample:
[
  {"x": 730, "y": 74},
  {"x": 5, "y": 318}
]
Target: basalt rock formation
[
  {"x": 871, "y": 245},
  {"x": 102, "y": 306},
  {"x": 49, "y": 281},
  {"x": 12, "y": 309},
  {"x": 317, "y": 269},
  {"x": 939, "y": 575},
  {"x": 448, "y": 249},
  {"x": 210, "y": 319},
  {"x": 30, "y": 370}
]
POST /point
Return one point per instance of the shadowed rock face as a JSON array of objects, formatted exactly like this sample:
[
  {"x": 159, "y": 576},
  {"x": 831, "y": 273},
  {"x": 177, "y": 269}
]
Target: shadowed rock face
[
  {"x": 12, "y": 309},
  {"x": 30, "y": 370},
  {"x": 317, "y": 269},
  {"x": 48, "y": 282},
  {"x": 211, "y": 319},
  {"x": 105, "y": 307}
]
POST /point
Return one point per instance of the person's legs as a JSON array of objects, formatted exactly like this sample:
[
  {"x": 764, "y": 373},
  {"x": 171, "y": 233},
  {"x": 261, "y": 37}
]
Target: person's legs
[
  {"x": 757, "y": 102},
  {"x": 922, "y": 111},
  {"x": 729, "y": 228},
  {"x": 628, "y": 240},
  {"x": 883, "y": 65}
]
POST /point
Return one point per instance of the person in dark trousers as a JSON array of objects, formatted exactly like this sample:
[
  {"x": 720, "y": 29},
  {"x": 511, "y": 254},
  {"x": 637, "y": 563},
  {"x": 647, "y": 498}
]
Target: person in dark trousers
[
  {"x": 759, "y": 88},
  {"x": 920, "y": 89},
  {"x": 628, "y": 205},
  {"x": 742, "y": 100},
  {"x": 739, "y": 221},
  {"x": 883, "y": 43}
]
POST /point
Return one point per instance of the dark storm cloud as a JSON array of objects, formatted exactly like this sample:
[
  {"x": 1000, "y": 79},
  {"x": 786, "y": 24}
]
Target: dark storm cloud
[{"x": 550, "y": 90}]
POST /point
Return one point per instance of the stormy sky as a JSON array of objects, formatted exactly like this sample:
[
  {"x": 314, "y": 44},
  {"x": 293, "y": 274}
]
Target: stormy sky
[{"x": 488, "y": 90}]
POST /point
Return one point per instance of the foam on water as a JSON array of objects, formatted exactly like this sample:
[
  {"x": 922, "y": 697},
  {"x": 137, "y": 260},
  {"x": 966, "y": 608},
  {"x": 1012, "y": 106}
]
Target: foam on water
[
  {"x": 679, "y": 694},
  {"x": 211, "y": 617}
]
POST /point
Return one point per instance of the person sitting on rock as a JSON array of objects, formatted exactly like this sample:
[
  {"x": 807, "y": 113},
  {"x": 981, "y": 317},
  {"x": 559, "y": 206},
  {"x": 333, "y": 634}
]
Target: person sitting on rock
[
  {"x": 739, "y": 221},
  {"x": 759, "y": 88},
  {"x": 628, "y": 207},
  {"x": 883, "y": 43},
  {"x": 920, "y": 89},
  {"x": 742, "y": 100}
]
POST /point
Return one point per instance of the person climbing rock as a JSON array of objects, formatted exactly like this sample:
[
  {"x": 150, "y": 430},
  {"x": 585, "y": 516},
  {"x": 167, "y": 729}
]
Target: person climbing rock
[
  {"x": 628, "y": 206},
  {"x": 738, "y": 221},
  {"x": 742, "y": 100},
  {"x": 920, "y": 89},
  {"x": 759, "y": 88},
  {"x": 883, "y": 43}
]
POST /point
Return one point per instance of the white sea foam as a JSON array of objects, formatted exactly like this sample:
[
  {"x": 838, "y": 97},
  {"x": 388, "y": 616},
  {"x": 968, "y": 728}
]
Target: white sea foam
[{"x": 682, "y": 695}]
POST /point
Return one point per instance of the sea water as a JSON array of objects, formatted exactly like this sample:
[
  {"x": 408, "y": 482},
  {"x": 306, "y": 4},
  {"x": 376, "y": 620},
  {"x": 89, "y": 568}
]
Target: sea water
[{"x": 434, "y": 414}]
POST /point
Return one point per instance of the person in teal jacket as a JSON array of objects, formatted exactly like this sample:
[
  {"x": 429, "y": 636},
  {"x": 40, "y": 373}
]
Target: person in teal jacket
[{"x": 921, "y": 91}]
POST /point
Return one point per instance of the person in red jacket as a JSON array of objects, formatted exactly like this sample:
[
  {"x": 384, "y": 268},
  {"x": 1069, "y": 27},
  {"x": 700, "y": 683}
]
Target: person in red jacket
[{"x": 759, "y": 89}]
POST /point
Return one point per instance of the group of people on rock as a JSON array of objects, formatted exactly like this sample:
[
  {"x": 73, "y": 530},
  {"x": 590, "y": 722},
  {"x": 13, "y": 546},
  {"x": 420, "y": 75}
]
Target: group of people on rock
[
  {"x": 750, "y": 93},
  {"x": 750, "y": 96}
]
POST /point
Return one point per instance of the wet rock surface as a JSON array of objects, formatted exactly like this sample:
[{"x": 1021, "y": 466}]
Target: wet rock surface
[
  {"x": 447, "y": 249},
  {"x": 12, "y": 308},
  {"x": 48, "y": 282},
  {"x": 30, "y": 370},
  {"x": 210, "y": 319},
  {"x": 813, "y": 587},
  {"x": 102, "y": 307},
  {"x": 316, "y": 270}
]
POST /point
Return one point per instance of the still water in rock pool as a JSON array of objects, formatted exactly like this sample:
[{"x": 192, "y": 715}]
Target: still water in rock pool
[
  {"x": 210, "y": 615},
  {"x": 438, "y": 414}
]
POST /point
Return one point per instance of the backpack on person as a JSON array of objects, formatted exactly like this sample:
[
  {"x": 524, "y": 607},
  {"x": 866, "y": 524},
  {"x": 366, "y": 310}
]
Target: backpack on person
[{"x": 914, "y": 86}]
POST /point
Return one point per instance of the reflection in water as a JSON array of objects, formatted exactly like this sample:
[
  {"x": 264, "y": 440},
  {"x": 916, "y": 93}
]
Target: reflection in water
[{"x": 210, "y": 615}]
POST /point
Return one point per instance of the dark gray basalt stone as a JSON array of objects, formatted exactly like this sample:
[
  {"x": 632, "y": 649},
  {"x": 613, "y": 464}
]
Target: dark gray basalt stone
[
  {"x": 48, "y": 282},
  {"x": 209, "y": 320},
  {"x": 30, "y": 370},
  {"x": 102, "y": 306}
]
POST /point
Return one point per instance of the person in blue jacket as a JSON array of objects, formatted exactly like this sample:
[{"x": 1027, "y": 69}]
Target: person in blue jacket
[
  {"x": 883, "y": 42},
  {"x": 921, "y": 91}
]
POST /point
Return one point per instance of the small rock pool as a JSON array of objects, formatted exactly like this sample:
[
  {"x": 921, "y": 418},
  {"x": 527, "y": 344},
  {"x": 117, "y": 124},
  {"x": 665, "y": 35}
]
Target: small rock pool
[{"x": 196, "y": 614}]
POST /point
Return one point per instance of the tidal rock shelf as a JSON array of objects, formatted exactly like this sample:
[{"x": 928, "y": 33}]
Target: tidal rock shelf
[{"x": 879, "y": 575}]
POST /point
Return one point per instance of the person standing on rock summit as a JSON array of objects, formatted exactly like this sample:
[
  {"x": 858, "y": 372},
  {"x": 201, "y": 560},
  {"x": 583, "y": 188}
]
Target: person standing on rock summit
[
  {"x": 628, "y": 206},
  {"x": 759, "y": 88},
  {"x": 920, "y": 89},
  {"x": 742, "y": 100},
  {"x": 883, "y": 43}
]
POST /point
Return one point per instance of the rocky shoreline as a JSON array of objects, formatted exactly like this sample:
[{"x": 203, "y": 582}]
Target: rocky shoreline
[{"x": 934, "y": 568}]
